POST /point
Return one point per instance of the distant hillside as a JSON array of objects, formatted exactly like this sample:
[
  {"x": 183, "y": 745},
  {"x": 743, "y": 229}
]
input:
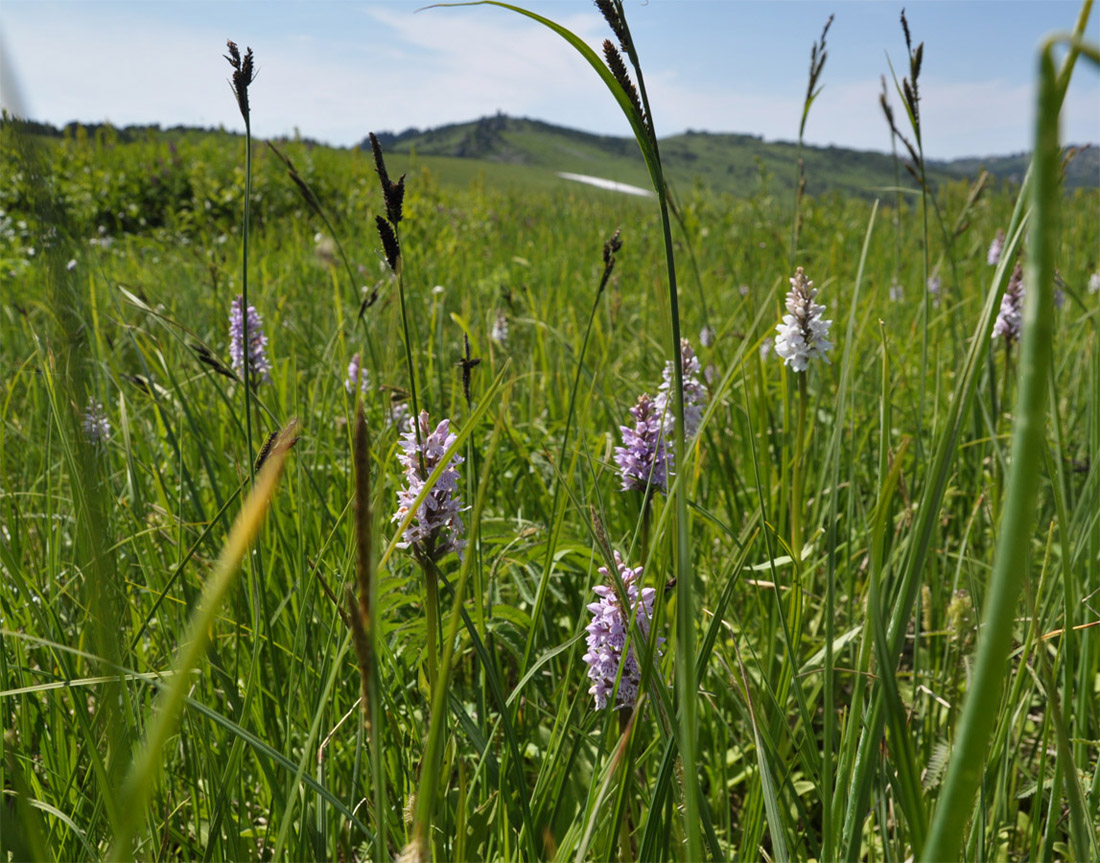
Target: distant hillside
[
  {"x": 726, "y": 162},
  {"x": 1082, "y": 167},
  {"x": 512, "y": 151}
]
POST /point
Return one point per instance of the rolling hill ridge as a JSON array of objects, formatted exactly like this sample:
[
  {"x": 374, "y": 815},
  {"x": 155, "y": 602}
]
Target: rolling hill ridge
[{"x": 734, "y": 163}]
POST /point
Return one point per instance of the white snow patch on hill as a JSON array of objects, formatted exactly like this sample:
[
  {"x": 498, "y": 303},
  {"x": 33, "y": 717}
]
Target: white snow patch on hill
[{"x": 612, "y": 185}]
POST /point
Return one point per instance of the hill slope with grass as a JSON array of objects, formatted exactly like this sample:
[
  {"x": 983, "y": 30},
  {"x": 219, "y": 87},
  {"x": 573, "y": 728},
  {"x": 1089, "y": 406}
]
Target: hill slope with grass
[{"x": 734, "y": 163}]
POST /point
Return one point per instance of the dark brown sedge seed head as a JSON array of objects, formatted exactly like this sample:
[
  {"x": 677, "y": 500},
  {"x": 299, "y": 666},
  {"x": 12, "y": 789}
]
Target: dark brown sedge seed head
[
  {"x": 389, "y": 242},
  {"x": 244, "y": 73},
  {"x": 142, "y": 383},
  {"x": 379, "y": 161},
  {"x": 395, "y": 196},
  {"x": 614, "y": 20},
  {"x": 368, "y": 301},
  {"x": 468, "y": 364},
  {"x": 208, "y": 359},
  {"x": 618, "y": 70},
  {"x": 392, "y": 193},
  {"x": 609, "y": 249},
  {"x": 265, "y": 450}
]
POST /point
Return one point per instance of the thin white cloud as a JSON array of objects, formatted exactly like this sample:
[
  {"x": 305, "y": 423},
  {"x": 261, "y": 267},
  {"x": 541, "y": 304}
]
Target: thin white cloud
[
  {"x": 76, "y": 70},
  {"x": 490, "y": 59},
  {"x": 438, "y": 66},
  {"x": 958, "y": 118}
]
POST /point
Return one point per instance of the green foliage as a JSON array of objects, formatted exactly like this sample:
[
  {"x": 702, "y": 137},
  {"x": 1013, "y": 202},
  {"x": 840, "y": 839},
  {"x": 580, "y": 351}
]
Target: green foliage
[
  {"x": 272, "y": 753},
  {"x": 724, "y": 162}
]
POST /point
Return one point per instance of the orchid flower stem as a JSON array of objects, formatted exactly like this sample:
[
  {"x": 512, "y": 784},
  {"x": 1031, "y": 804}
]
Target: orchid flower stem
[
  {"x": 431, "y": 623},
  {"x": 796, "y": 483}
]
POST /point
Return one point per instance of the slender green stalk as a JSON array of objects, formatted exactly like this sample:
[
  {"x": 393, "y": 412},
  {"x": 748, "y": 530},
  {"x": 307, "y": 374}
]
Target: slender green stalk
[
  {"x": 640, "y": 116},
  {"x": 986, "y": 685},
  {"x": 685, "y": 580},
  {"x": 910, "y": 96},
  {"x": 796, "y": 473},
  {"x": 431, "y": 622},
  {"x": 932, "y": 496},
  {"x": 817, "y": 64},
  {"x": 925, "y": 298},
  {"x": 242, "y": 78},
  {"x": 685, "y": 588},
  {"x": 406, "y": 341},
  {"x": 246, "y": 230}
]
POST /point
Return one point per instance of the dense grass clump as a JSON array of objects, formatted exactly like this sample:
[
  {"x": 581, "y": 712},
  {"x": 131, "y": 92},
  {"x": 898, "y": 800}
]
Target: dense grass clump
[{"x": 369, "y": 684}]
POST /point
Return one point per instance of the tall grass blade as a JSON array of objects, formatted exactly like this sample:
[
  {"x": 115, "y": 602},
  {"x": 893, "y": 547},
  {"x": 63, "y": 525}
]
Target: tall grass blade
[
  {"x": 932, "y": 494},
  {"x": 976, "y": 723},
  {"x": 141, "y": 779}
]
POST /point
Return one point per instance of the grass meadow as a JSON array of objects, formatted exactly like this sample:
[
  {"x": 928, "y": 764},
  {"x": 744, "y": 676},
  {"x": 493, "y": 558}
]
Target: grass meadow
[{"x": 200, "y": 659}]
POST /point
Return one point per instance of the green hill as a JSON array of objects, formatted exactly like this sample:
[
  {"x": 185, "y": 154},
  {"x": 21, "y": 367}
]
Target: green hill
[{"x": 732, "y": 163}]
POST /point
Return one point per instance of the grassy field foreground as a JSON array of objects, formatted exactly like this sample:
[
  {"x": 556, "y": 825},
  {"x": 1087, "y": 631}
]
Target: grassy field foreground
[{"x": 346, "y": 698}]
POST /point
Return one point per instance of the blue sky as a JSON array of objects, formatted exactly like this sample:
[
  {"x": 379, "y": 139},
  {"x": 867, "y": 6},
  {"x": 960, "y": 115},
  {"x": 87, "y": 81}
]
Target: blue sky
[{"x": 336, "y": 70}]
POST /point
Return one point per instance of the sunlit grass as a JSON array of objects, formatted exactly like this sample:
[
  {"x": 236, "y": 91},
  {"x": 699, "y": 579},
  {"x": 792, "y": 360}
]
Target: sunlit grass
[{"x": 906, "y": 472}]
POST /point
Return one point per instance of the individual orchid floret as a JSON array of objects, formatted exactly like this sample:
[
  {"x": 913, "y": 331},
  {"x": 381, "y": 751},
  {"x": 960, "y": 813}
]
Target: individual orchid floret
[
  {"x": 897, "y": 291},
  {"x": 1010, "y": 317},
  {"x": 255, "y": 353},
  {"x": 803, "y": 335},
  {"x": 1094, "y": 283},
  {"x": 96, "y": 427},
  {"x": 609, "y": 636},
  {"x": 436, "y": 529},
  {"x": 499, "y": 333},
  {"x": 644, "y": 459},
  {"x": 934, "y": 287},
  {"x": 358, "y": 377},
  {"x": 994, "y": 255},
  {"x": 695, "y": 394},
  {"x": 399, "y": 416}
]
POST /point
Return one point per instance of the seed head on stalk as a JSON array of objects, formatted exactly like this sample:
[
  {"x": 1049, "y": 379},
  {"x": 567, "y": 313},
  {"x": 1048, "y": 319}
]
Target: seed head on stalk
[{"x": 244, "y": 74}]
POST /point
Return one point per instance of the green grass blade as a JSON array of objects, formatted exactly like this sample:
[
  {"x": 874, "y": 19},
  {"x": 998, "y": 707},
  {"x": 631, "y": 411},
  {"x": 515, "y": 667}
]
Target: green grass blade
[
  {"x": 931, "y": 499},
  {"x": 976, "y": 723},
  {"x": 141, "y": 778}
]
